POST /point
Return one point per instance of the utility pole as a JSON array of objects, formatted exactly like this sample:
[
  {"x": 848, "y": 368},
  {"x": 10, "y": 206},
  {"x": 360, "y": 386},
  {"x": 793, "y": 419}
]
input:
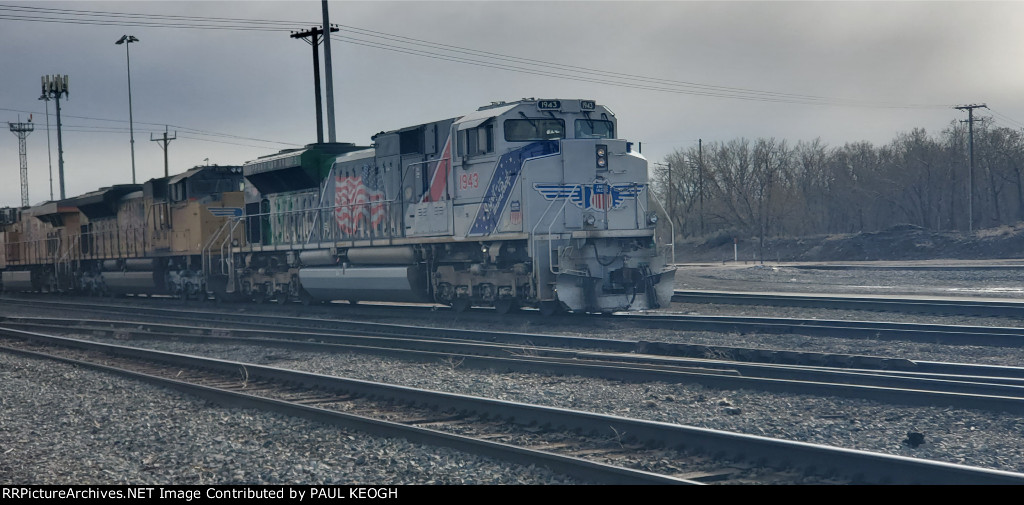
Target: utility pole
[
  {"x": 54, "y": 86},
  {"x": 671, "y": 199},
  {"x": 166, "y": 140},
  {"x": 21, "y": 130},
  {"x": 315, "y": 34},
  {"x": 330, "y": 75},
  {"x": 700, "y": 181},
  {"x": 970, "y": 149}
]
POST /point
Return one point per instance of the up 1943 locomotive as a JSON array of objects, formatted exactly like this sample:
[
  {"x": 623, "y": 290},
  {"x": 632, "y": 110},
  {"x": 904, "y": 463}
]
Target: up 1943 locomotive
[{"x": 529, "y": 203}]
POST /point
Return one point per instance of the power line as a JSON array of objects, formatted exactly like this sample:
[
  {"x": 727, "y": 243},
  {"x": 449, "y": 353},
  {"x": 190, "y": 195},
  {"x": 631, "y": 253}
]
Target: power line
[
  {"x": 428, "y": 49},
  {"x": 602, "y": 72},
  {"x": 196, "y": 131},
  {"x": 1010, "y": 121},
  {"x": 230, "y": 143},
  {"x": 626, "y": 84}
]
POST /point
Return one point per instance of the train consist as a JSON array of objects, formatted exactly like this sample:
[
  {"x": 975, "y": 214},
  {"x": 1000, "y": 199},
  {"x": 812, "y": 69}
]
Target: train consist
[{"x": 533, "y": 203}]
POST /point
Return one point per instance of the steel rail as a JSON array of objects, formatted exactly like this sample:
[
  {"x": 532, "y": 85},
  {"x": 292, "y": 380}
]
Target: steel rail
[
  {"x": 864, "y": 466},
  {"x": 915, "y": 332},
  {"x": 919, "y": 305},
  {"x": 931, "y": 333},
  {"x": 918, "y": 388},
  {"x": 636, "y": 365},
  {"x": 567, "y": 465}
]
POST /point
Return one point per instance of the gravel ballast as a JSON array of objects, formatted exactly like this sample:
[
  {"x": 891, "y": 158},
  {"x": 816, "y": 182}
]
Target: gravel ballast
[
  {"x": 60, "y": 424},
  {"x": 979, "y": 438}
]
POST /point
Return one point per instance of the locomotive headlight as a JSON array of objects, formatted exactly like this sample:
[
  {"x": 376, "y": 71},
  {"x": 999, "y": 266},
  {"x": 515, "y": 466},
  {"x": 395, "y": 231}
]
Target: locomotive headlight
[
  {"x": 652, "y": 218},
  {"x": 602, "y": 156},
  {"x": 589, "y": 219}
]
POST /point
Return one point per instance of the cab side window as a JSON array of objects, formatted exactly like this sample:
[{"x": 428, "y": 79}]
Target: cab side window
[
  {"x": 476, "y": 141},
  {"x": 527, "y": 130}
]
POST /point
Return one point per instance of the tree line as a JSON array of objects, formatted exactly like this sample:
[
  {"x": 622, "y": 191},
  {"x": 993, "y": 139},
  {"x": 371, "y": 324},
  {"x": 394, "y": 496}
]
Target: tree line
[{"x": 768, "y": 187}]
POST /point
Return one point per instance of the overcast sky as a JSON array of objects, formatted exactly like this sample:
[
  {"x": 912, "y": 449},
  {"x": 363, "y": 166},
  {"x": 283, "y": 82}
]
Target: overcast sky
[{"x": 673, "y": 72}]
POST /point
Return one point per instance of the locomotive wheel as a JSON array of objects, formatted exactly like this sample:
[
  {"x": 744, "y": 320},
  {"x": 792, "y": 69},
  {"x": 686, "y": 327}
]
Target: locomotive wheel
[
  {"x": 505, "y": 305},
  {"x": 550, "y": 308},
  {"x": 263, "y": 295},
  {"x": 282, "y": 298},
  {"x": 460, "y": 304}
]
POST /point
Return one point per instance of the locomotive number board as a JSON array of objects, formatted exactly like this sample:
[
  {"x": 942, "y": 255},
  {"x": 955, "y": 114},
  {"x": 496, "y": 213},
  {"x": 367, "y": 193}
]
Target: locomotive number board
[{"x": 585, "y": 105}]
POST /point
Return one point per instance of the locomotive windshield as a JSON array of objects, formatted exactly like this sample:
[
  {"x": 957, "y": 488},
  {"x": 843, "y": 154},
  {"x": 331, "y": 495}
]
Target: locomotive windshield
[
  {"x": 525, "y": 130},
  {"x": 594, "y": 129}
]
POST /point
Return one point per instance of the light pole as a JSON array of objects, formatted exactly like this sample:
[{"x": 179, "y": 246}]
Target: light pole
[{"x": 128, "y": 39}]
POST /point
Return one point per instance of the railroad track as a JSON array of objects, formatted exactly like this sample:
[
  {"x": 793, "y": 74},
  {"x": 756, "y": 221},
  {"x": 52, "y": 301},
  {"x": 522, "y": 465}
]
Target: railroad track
[
  {"x": 917, "y": 305},
  {"x": 1003, "y": 336},
  {"x": 609, "y": 444},
  {"x": 911, "y": 332},
  {"x": 885, "y": 380}
]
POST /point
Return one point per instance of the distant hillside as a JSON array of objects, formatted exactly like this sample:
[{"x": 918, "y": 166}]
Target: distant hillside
[{"x": 901, "y": 242}]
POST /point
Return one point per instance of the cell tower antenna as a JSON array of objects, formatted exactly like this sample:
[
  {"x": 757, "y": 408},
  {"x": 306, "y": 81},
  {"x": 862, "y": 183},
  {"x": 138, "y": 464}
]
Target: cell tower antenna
[{"x": 55, "y": 86}]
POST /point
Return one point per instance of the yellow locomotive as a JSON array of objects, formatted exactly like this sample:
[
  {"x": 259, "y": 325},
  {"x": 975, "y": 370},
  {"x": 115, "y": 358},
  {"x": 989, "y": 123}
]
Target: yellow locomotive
[{"x": 129, "y": 238}]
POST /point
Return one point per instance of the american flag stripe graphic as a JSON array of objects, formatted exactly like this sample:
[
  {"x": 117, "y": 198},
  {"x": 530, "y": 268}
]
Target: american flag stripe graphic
[{"x": 357, "y": 206}]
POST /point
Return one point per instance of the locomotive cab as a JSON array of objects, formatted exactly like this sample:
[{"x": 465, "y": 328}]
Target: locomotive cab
[{"x": 548, "y": 178}]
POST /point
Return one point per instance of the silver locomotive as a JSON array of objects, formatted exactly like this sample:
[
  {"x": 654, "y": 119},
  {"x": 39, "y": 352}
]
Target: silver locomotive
[{"x": 534, "y": 203}]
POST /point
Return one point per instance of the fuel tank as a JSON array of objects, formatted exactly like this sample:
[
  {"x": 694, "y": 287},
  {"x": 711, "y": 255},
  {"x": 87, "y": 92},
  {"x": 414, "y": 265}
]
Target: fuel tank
[{"x": 385, "y": 284}]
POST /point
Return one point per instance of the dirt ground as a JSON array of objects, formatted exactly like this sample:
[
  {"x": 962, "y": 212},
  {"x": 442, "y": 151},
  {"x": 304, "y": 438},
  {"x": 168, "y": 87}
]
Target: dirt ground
[{"x": 898, "y": 243}]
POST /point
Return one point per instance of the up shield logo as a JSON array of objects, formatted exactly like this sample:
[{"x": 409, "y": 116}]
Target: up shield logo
[{"x": 599, "y": 195}]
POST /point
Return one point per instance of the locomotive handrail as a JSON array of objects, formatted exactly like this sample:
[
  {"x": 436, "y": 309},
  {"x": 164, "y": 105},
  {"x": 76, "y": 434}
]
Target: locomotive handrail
[
  {"x": 551, "y": 262},
  {"x": 533, "y": 244},
  {"x": 206, "y": 253},
  {"x": 227, "y": 260},
  {"x": 64, "y": 259},
  {"x": 227, "y": 265},
  {"x": 320, "y": 205},
  {"x": 375, "y": 232},
  {"x": 533, "y": 233},
  {"x": 671, "y": 227}
]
